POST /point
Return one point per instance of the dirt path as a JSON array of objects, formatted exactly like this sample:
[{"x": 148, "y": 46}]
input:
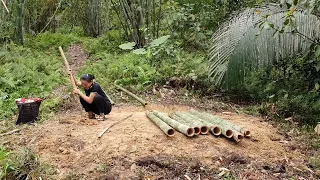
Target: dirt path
[
  {"x": 137, "y": 149},
  {"x": 76, "y": 57}
]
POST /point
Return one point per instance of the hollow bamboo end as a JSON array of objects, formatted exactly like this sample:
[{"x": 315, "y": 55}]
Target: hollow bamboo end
[
  {"x": 204, "y": 130},
  {"x": 170, "y": 132},
  {"x": 238, "y": 137},
  {"x": 190, "y": 132},
  {"x": 197, "y": 130},
  {"x": 216, "y": 131},
  {"x": 229, "y": 133},
  {"x": 247, "y": 133}
]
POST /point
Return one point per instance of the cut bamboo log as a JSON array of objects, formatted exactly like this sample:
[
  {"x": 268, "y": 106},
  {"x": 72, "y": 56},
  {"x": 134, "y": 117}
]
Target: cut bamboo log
[
  {"x": 196, "y": 128},
  {"x": 187, "y": 130},
  {"x": 193, "y": 121},
  {"x": 214, "y": 128},
  {"x": 238, "y": 128},
  {"x": 169, "y": 131},
  {"x": 144, "y": 103},
  {"x": 237, "y": 136},
  {"x": 225, "y": 130}
]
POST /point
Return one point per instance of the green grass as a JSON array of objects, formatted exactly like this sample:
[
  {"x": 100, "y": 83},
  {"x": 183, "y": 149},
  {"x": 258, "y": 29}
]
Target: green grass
[
  {"x": 23, "y": 164},
  {"x": 135, "y": 71},
  {"x": 27, "y": 72}
]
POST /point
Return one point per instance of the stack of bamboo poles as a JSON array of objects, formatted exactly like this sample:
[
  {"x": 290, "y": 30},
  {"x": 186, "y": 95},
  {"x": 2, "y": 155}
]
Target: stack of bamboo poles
[{"x": 194, "y": 123}]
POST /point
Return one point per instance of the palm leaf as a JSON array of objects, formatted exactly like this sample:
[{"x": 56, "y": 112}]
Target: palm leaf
[{"x": 236, "y": 49}]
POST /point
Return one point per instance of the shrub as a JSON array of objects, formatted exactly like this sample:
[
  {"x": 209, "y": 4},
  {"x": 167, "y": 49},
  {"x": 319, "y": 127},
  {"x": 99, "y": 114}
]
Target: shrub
[{"x": 27, "y": 73}]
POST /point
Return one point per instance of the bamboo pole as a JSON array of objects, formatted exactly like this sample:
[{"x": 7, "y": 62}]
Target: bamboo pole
[
  {"x": 10, "y": 132},
  {"x": 5, "y": 6},
  {"x": 214, "y": 128},
  {"x": 169, "y": 131},
  {"x": 68, "y": 67},
  {"x": 196, "y": 128},
  {"x": 241, "y": 129},
  {"x": 188, "y": 131},
  {"x": 204, "y": 129},
  {"x": 106, "y": 129},
  {"x": 144, "y": 103},
  {"x": 111, "y": 101},
  {"x": 225, "y": 130}
]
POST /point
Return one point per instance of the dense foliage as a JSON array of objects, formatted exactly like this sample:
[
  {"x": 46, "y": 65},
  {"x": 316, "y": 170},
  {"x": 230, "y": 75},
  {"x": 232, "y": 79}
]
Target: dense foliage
[
  {"x": 25, "y": 73},
  {"x": 168, "y": 38}
]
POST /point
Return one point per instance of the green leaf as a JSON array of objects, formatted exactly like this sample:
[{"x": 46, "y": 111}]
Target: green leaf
[
  {"x": 140, "y": 51},
  {"x": 267, "y": 26},
  {"x": 318, "y": 67},
  {"x": 316, "y": 86},
  {"x": 149, "y": 54},
  {"x": 295, "y": 2},
  {"x": 317, "y": 53},
  {"x": 127, "y": 46},
  {"x": 159, "y": 41},
  {"x": 286, "y": 22}
]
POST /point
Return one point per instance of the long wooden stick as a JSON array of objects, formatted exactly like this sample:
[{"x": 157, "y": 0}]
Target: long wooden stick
[
  {"x": 4, "y": 4},
  {"x": 10, "y": 132},
  {"x": 105, "y": 130},
  {"x": 144, "y": 103},
  {"x": 68, "y": 67}
]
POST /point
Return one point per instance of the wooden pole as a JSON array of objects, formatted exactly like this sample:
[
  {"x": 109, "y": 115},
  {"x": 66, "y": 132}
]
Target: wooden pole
[
  {"x": 144, "y": 103},
  {"x": 10, "y": 132},
  {"x": 68, "y": 67},
  {"x": 106, "y": 129},
  {"x": 4, "y": 4}
]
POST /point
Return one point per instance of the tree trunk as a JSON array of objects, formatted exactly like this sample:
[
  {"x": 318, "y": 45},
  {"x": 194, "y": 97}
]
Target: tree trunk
[{"x": 19, "y": 33}]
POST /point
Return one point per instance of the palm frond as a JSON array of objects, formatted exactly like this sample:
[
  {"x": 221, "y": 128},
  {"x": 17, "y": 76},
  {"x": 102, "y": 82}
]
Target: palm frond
[{"x": 236, "y": 49}]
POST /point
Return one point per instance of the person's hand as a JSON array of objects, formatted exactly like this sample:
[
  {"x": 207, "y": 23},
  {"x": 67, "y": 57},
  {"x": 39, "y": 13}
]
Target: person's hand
[
  {"x": 69, "y": 71},
  {"x": 76, "y": 91}
]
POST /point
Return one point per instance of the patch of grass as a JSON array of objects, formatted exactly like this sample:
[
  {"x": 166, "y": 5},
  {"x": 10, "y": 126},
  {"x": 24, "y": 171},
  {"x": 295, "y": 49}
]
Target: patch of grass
[
  {"x": 137, "y": 72},
  {"x": 315, "y": 162},
  {"x": 51, "y": 41},
  {"x": 25, "y": 73},
  {"x": 24, "y": 164}
]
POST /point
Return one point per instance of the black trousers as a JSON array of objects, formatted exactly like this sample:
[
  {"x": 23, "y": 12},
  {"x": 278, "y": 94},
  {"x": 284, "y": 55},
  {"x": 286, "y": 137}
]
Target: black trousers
[{"x": 99, "y": 105}]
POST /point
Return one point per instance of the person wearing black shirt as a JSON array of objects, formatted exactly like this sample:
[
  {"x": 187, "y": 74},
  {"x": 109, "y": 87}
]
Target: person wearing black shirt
[{"x": 94, "y": 100}]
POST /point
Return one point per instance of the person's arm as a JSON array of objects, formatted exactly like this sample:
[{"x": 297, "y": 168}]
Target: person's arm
[
  {"x": 84, "y": 97},
  {"x": 78, "y": 83}
]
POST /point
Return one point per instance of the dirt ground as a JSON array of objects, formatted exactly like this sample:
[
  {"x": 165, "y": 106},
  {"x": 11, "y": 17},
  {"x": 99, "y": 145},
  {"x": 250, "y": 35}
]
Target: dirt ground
[{"x": 138, "y": 149}]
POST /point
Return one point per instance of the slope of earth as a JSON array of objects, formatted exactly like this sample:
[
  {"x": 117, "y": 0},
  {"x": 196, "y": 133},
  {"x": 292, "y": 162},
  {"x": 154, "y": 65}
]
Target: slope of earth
[{"x": 137, "y": 149}]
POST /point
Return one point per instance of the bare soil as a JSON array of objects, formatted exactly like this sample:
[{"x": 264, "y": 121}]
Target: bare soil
[{"x": 138, "y": 149}]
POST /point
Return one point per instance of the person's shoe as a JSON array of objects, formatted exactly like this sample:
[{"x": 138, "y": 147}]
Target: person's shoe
[
  {"x": 100, "y": 117},
  {"x": 91, "y": 115}
]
